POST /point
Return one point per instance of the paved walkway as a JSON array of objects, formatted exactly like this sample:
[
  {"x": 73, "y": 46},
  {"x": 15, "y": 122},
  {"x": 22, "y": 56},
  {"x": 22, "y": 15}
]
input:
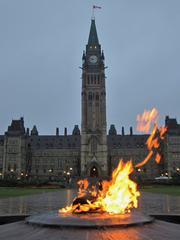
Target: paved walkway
[{"x": 148, "y": 203}]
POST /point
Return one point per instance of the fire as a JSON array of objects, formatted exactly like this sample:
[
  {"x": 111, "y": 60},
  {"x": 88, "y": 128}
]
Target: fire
[
  {"x": 116, "y": 196},
  {"x": 120, "y": 194},
  {"x": 145, "y": 120},
  {"x": 144, "y": 123}
]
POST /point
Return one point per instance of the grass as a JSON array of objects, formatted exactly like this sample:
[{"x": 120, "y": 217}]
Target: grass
[
  {"x": 164, "y": 189},
  {"x": 15, "y": 191}
]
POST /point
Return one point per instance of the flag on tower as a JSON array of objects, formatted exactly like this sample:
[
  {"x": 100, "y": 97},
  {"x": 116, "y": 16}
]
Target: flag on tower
[{"x": 94, "y": 6}]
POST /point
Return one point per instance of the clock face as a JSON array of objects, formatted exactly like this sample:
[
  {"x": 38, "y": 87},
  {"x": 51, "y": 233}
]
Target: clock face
[{"x": 93, "y": 59}]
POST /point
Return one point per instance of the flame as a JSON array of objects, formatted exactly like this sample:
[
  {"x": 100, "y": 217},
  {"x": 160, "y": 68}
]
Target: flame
[
  {"x": 145, "y": 120},
  {"x": 154, "y": 140},
  {"x": 119, "y": 195},
  {"x": 116, "y": 196},
  {"x": 122, "y": 193}
]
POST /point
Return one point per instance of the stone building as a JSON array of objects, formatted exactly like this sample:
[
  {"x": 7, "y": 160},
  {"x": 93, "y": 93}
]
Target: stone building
[
  {"x": 172, "y": 147},
  {"x": 91, "y": 151},
  {"x": 93, "y": 125}
]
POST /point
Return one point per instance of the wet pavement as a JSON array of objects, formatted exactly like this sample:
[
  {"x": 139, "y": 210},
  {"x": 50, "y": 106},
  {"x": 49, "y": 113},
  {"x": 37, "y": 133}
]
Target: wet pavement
[{"x": 149, "y": 203}]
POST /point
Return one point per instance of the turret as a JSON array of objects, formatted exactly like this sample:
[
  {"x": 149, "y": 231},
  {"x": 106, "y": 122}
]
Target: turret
[
  {"x": 76, "y": 130},
  {"x": 112, "y": 130},
  {"x": 34, "y": 131}
]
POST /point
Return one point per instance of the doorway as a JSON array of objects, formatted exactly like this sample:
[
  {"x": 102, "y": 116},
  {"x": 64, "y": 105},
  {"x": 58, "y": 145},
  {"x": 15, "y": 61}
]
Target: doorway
[{"x": 94, "y": 172}]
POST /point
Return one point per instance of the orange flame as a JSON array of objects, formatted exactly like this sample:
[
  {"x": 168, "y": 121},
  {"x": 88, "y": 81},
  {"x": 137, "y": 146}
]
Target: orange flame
[
  {"x": 120, "y": 194},
  {"x": 153, "y": 142},
  {"x": 145, "y": 120},
  {"x": 117, "y": 196}
]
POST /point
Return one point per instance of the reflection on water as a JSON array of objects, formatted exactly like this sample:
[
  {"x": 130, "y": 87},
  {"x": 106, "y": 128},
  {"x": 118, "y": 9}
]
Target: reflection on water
[{"x": 148, "y": 203}]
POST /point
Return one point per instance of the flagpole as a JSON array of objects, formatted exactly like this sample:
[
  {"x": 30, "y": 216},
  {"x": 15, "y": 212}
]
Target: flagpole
[
  {"x": 93, "y": 8},
  {"x": 93, "y": 17}
]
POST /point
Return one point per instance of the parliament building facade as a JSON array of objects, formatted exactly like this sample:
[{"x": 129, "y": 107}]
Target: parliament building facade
[{"x": 89, "y": 151}]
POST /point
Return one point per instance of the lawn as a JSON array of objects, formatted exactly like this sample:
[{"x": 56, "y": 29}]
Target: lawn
[
  {"x": 164, "y": 189},
  {"x": 15, "y": 191}
]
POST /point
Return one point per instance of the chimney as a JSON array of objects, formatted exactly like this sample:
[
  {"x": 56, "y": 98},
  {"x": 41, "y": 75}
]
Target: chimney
[
  {"x": 57, "y": 131},
  {"x": 27, "y": 131},
  {"x": 122, "y": 131},
  {"x": 65, "y": 131},
  {"x": 131, "y": 131}
]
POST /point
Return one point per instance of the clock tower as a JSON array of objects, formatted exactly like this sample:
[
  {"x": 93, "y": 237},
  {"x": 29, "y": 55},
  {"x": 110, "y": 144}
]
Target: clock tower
[{"x": 93, "y": 109}]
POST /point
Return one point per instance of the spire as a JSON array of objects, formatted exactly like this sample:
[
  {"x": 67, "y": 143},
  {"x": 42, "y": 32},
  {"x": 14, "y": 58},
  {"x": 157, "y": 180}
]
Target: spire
[
  {"x": 93, "y": 37},
  {"x": 34, "y": 131}
]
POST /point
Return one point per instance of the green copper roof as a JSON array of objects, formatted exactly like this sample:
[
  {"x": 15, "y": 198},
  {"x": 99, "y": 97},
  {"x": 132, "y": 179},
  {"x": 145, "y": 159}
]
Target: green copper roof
[{"x": 93, "y": 38}]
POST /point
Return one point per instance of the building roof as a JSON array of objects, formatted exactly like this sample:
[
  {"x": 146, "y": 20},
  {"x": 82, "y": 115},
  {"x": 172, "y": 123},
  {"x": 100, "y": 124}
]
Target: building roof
[
  {"x": 16, "y": 127},
  {"x": 54, "y": 142},
  {"x": 126, "y": 141},
  {"x": 172, "y": 126}
]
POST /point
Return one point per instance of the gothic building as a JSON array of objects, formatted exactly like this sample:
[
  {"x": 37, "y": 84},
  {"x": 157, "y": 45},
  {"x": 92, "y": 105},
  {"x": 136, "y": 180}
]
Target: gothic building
[
  {"x": 91, "y": 151},
  {"x": 93, "y": 128}
]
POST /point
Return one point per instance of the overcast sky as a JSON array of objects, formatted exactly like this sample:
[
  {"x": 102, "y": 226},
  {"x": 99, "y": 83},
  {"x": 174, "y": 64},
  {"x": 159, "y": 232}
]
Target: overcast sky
[{"x": 41, "y": 45}]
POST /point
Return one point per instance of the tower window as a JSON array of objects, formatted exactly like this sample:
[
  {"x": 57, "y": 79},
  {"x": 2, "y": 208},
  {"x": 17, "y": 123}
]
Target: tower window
[
  {"x": 97, "y": 96},
  {"x": 98, "y": 79},
  {"x": 90, "y": 96},
  {"x": 91, "y": 79},
  {"x": 94, "y": 79},
  {"x": 95, "y": 47},
  {"x": 88, "y": 80}
]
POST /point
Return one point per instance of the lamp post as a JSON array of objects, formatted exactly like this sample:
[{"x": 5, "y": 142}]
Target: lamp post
[{"x": 68, "y": 177}]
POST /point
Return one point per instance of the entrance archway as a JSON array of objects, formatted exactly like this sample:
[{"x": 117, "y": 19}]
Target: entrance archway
[{"x": 94, "y": 172}]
